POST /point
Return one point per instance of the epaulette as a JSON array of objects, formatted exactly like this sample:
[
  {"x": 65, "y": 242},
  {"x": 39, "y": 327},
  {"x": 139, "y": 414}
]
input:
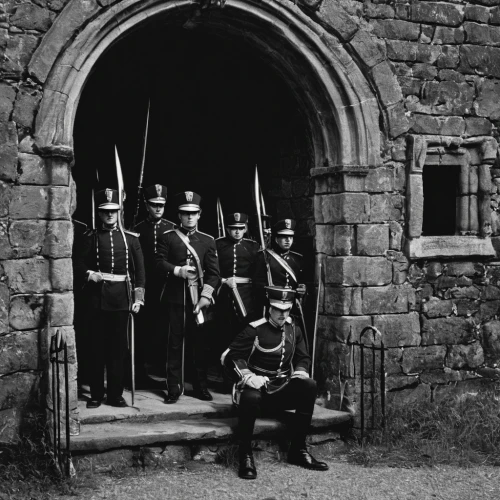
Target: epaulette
[
  {"x": 296, "y": 253},
  {"x": 170, "y": 222},
  {"x": 210, "y": 236},
  {"x": 131, "y": 233},
  {"x": 257, "y": 323},
  {"x": 252, "y": 241}
]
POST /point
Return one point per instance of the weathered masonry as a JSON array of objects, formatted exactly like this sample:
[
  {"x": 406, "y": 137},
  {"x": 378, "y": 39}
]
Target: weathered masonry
[{"x": 397, "y": 185}]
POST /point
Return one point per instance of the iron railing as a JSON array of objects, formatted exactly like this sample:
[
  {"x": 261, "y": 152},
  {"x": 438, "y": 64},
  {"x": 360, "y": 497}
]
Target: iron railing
[{"x": 58, "y": 357}]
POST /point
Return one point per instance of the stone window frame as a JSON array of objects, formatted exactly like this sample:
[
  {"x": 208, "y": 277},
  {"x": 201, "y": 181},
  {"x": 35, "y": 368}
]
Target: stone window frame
[{"x": 472, "y": 239}]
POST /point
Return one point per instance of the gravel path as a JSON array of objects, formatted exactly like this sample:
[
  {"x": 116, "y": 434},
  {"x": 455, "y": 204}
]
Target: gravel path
[{"x": 280, "y": 481}]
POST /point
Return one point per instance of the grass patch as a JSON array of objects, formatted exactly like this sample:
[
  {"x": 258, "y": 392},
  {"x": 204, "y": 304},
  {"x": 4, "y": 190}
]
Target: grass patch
[
  {"x": 462, "y": 430},
  {"x": 27, "y": 469}
]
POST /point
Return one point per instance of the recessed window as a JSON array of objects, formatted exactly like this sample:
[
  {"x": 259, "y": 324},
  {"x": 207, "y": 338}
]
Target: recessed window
[{"x": 440, "y": 200}]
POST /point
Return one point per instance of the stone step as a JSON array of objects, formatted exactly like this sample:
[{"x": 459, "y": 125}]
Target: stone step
[{"x": 189, "y": 420}]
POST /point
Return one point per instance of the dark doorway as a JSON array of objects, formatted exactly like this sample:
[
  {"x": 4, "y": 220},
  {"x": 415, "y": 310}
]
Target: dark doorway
[{"x": 217, "y": 110}]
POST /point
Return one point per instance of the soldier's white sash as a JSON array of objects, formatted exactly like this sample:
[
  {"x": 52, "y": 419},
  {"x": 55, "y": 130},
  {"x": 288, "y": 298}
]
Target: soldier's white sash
[{"x": 283, "y": 263}]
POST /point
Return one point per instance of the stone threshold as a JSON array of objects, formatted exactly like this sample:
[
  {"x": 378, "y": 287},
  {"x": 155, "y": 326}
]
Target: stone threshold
[{"x": 188, "y": 422}]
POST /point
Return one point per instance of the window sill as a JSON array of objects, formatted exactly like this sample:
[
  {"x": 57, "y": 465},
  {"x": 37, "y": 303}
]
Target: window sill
[{"x": 449, "y": 246}]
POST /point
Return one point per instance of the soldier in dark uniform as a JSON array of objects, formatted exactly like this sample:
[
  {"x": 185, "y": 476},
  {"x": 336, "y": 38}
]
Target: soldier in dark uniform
[
  {"x": 187, "y": 260},
  {"x": 270, "y": 363},
  {"x": 280, "y": 266},
  {"x": 111, "y": 264},
  {"x": 151, "y": 343},
  {"x": 235, "y": 300}
]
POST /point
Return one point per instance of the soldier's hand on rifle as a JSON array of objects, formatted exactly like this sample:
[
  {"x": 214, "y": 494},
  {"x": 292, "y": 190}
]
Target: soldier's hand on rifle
[
  {"x": 136, "y": 306},
  {"x": 186, "y": 272},
  {"x": 301, "y": 290},
  {"x": 202, "y": 303},
  {"x": 95, "y": 277},
  {"x": 231, "y": 283}
]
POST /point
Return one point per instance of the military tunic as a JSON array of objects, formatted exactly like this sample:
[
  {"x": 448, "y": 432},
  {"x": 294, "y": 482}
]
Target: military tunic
[
  {"x": 172, "y": 252},
  {"x": 151, "y": 343},
  {"x": 236, "y": 260},
  {"x": 109, "y": 302}
]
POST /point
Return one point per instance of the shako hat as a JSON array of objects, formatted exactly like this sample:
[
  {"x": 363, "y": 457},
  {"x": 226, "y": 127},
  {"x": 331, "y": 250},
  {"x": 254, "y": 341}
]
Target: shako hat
[
  {"x": 279, "y": 297},
  {"x": 236, "y": 220},
  {"x": 188, "y": 201},
  {"x": 107, "y": 199},
  {"x": 156, "y": 193},
  {"x": 285, "y": 227}
]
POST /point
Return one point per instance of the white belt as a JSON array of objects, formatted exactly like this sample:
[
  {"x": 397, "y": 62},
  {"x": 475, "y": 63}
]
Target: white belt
[
  {"x": 238, "y": 280},
  {"x": 113, "y": 277}
]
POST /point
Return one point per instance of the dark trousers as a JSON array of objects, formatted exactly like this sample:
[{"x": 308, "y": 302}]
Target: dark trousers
[
  {"x": 108, "y": 343},
  {"x": 183, "y": 327},
  {"x": 299, "y": 395}
]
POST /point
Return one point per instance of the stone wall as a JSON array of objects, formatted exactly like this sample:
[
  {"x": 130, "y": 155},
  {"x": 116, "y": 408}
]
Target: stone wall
[{"x": 434, "y": 69}]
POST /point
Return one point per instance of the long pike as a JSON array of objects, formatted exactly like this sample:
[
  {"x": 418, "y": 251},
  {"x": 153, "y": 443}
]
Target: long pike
[
  {"x": 258, "y": 205},
  {"x": 141, "y": 174}
]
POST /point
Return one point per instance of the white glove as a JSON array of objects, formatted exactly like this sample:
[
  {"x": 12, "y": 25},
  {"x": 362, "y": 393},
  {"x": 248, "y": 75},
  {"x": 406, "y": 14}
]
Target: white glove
[
  {"x": 96, "y": 277},
  {"x": 231, "y": 283},
  {"x": 186, "y": 272},
  {"x": 136, "y": 307},
  {"x": 256, "y": 381},
  {"x": 300, "y": 374}
]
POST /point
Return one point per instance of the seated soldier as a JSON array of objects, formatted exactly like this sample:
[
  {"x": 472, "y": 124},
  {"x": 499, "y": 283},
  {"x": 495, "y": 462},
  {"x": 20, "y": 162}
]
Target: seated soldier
[{"x": 270, "y": 363}]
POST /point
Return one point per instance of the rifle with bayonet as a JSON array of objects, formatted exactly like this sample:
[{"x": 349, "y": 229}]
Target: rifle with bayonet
[{"x": 220, "y": 220}]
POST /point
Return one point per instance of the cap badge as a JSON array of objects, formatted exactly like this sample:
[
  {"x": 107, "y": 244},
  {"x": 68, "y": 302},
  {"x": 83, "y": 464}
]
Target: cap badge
[
  {"x": 158, "y": 189},
  {"x": 189, "y": 195},
  {"x": 288, "y": 223},
  {"x": 237, "y": 217},
  {"x": 109, "y": 195},
  {"x": 283, "y": 295}
]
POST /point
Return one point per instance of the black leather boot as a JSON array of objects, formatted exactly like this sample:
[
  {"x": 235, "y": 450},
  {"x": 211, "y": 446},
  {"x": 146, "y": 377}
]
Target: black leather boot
[{"x": 247, "y": 468}]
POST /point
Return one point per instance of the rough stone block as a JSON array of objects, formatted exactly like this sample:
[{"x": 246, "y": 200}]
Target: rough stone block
[
  {"x": 490, "y": 292},
  {"x": 443, "y": 376},
  {"x": 446, "y": 331},
  {"x": 10, "y": 425},
  {"x": 399, "y": 330},
  {"x": 420, "y": 394},
  {"x": 387, "y": 84},
  {"x": 452, "y": 75},
  {"x": 393, "y": 382},
  {"x": 420, "y": 359},
  {"x": 18, "y": 389},
  {"x": 395, "y": 235},
  {"x": 436, "y": 308},
  {"x": 372, "y": 239},
  {"x": 400, "y": 267},
  {"x": 39, "y": 275},
  {"x": 31, "y": 17},
  {"x": 358, "y": 271},
  {"x": 334, "y": 16},
  {"x": 479, "y": 34},
  {"x": 444, "y": 98},
  {"x": 6, "y": 251},
  {"x": 488, "y": 310},
  {"x": 370, "y": 50},
  {"x": 424, "y": 71},
  {"x": 397, "y": 121},
  {"x": 334, "y": 240},
  {"x": 19, "y": 352},
  {"x": 375, "y": 11},
  {"x": 342, "y": 328},
  {"x": 387, "y": 299},
  {"x": 449, "y": 57},
  {"x": 477, "y": 126},
  {"x": 465, "y": 307},
  {"x": 487, "y": 103},
  {"x": 477, "y": 13},
  {"x": 475, "y": 59},
  {"x": 469, "y": 292},
  {"x": 32, "y": 169},
  {"x": 465, "y": 387},
  {"x": 27, "y": 237},
  {"x": 343, "y": 301},
  {"x": 491, "y": 341},
  {"x": 396, "y": 29},
  {"x": 8, "y": 151},
  {"x": 58, "y": 241},
  {"x": 18, "y": 49},
  {"x": 342, "y": 208},
  {"x": 434, "y": 125},
  {"x": 27, "y": 311},
  {"x": 25, "y": 107},
  {"x": 495, "y": 16},
  {"x": 379, "y": 180},
  {"x": 445, "y": 36},
  {"x": 437, "y": 13},
  {"x": 465, "y": 356},
  {"x": 32, "y": 202},
  {"x": 464, "y": 268},
  {"x": 60, "y": 309},
  {"x": 7, "y": 98},
  {"x": 386, "y": 207},
  {"x": 4, "y": 308}
]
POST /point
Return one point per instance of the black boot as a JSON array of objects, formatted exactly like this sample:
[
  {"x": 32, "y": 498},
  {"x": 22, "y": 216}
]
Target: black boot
[
  {"x": 298, "y": 454},
  {"x": 247, "y": 468}
]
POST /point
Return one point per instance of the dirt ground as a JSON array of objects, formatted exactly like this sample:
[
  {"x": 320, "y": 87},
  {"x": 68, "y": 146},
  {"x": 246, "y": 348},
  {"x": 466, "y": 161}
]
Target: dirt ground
[{"x": 280, "y": 481}]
